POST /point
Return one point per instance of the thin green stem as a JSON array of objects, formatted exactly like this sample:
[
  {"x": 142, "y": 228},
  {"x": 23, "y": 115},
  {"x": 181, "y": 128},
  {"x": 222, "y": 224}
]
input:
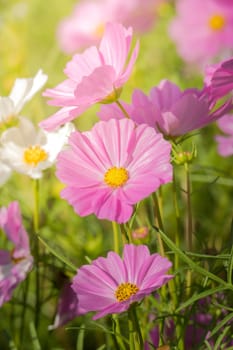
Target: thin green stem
[
  {"x": 189, "y": 225},
  {"x": 189, "y": 218},
  {"x": 178, "y": 220},
  {"x": 36, "y": 250},
  {"x": 158, "y": 222},
  {"x": 122, "y": 109},
  {"x": 135, "y": 335},
  {"x": 116, "y": 242}
]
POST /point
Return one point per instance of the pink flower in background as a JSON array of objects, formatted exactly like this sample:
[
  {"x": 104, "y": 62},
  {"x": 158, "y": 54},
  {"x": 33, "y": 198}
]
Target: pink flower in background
[
  {"x": 110, "y": 285},
  {"x": 67, "y": 308},
  {"x": 169, "y": 110},
  {"x": 97, "y": 75},
  {"x": 225, "y": 143},
  {"x": 85, "y": 25},
  {"x": 202, "y": 30},
  {"x": 219, "y": 78},
  {"x": 110, "y": 168},
  {"x": 15, "y": 264}
]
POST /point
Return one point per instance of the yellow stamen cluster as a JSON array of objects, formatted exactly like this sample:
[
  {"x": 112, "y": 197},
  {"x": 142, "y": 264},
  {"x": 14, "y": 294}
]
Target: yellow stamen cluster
[
  {"x": 217, "y": 22},
  {"x": 125, "y": 291},
  {"x": 34, "y": 155},
  {"x": 116, "y": 177}
]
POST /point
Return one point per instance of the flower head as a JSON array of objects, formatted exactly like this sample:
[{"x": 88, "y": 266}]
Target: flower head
[
  {"x": 169, "y": 110},
  {"x": 22, "y": 91},
  {"x": 97, "y": 75},
  {"x": 209, "y": 25},
  {"x": 110, "y": 285},
  {"x": 68, "y": 307},
  {"x": 225, "y": 142},
  {"x": 110, "y": 168},
  {"x": 28, "y": 150},
  {"x": 219, "y": 79},
  {"x": 86, "y": 23},
  {"x": 14, "y": 265}
]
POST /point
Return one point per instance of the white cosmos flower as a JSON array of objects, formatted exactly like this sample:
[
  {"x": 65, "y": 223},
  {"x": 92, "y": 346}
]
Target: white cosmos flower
[
  {"x": 28, "y": 150},
  {"x": 22, "y": 91},
  {"x": 5, "y": 172}
]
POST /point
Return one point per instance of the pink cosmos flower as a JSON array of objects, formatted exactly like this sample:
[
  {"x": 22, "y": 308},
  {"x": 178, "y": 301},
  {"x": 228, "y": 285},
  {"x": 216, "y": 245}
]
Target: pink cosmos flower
[
  {"x": 97, "y": 75},
  {"x": 202, "y": 29},
  {"x": 110, "y": 168},
  {"x": 225, "y": 143},
  {"x": 219, "y": 78},
  {"x": 15, "y": 264},
  {"x": 86, "y": 23},
  {"x": 110, "y": 285},
  {"x": 68, "y": 307},
  {"x": 170, "y": 110}
]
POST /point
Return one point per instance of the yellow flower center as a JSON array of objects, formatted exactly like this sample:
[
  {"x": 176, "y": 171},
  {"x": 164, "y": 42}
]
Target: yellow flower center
[
  {"x": 34, "y": 155},
  {"x": 99, "y": 30},
  {"x": 125, "y": 291},
  {"x": 217, "y": 22},
  {"x": 116, "y": 177}
]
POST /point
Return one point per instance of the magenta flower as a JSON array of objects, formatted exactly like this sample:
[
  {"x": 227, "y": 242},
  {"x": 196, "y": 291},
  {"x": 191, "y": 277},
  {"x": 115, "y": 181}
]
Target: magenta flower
[
  {"x": 170, "y": 110},
  {"x": 202, "y": 29},
  {"x": 85, "y": 25},
  {"x": 110, "y": 168},
  {"x": 225, "y": 142},
  {"x": 219, "y": 78},
  {"x": 68, "y": 307},
  {"x": 110, "y": 285},
  {"x": 97, "y": 75},
  {"x": 15, "y": 264}
]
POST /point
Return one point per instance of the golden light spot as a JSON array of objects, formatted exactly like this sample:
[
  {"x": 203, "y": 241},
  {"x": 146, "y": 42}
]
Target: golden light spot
[
  {"x": 34, "y": 155},
  {"x": 125, "y": 291},
  {"x": 116, "y": 177},
  {"x": 217, "y": 22}
]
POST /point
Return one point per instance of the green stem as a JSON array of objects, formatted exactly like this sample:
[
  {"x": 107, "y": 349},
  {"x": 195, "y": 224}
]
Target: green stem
[
  {"x": 189, "y": 225},
  {"x": 135, "y": 335},
  {"x": 158, "y": 222},
  {"x": 122, "y": 109},
  {"x": 178, "y": 221},
  {"x": 36, "y": 250},
  {"x": 189, "y": 219},
  {"x": 116, "y": 242}
]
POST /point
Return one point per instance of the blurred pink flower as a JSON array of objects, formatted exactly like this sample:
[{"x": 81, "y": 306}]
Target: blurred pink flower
[
  {"x": 15, "y": 264},
  {"x": 110, "y": 168},
  {"x": 169, "y": 110},
  {"x": 219, "y": 78},
  {"x": 202, "y": 29},
  {"x": 110, "y": 285},
  {"x": 225, "y": 143},
  {"x": 97, "y": 75},
  {"x": 67, "y": 308},
  {"x": 85, "y": 26}
]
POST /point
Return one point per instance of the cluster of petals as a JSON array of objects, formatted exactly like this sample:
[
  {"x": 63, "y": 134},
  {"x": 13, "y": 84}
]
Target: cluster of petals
[
  {"x": 28, "y": 150},
  {"x": 96, "y": 75},
  {"x": 17, "y": 263},
  {"x": 86, "y": 23},
  {"x": 219, "y": 78},
  {"x": 225, "y": 141},
  {"x": 169, "y": 110},
  {"x": 112, "y": 167},
  {"x": 139, "y": 273},
  {"x": 22, "y": 91},
  {"x": 202, "y": 30}
]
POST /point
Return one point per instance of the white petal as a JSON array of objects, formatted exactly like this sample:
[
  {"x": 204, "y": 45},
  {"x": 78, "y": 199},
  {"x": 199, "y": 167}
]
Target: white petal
[
  {"x": 7, "y": 109},
  {"x": 25, "y": 88}
]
